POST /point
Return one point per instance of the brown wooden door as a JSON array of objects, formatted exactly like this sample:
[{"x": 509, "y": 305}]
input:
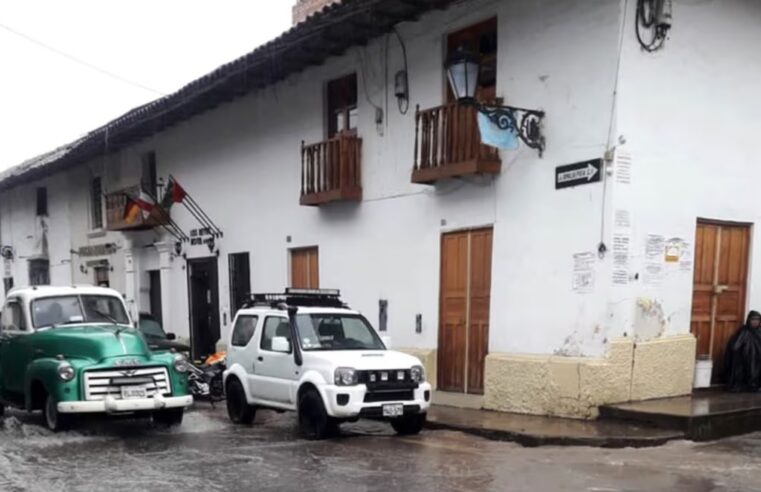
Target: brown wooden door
[
  {"x": 305, "y": 269},
  {"x": 464, "y": 310},
  {"x": 719, "y": 287}
]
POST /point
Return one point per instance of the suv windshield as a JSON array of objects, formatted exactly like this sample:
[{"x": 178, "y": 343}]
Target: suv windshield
[
  {"x": 336, "y": 331},
  {"x": 61, "y": 310}
]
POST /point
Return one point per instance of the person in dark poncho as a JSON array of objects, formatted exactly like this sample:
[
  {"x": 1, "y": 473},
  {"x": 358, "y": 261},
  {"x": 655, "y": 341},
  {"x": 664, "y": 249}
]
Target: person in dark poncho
[{"x": 742, "y": 359}]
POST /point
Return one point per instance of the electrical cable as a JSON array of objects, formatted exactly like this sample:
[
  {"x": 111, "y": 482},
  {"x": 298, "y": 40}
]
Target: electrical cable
[{"x": 80, "y": 61}]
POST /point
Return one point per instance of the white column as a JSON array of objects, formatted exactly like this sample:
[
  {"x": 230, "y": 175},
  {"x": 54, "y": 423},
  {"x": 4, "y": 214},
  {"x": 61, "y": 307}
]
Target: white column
[
  {"x": 166, "y": 256},
  {"x": 131, "y": 282}
]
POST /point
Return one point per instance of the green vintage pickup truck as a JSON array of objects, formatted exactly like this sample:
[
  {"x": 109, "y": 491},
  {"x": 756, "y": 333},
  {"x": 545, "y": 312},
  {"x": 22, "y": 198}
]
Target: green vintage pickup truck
[{"x": 73, "y": 350}]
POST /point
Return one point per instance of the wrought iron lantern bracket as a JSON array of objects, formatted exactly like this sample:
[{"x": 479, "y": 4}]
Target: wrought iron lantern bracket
[{"x": 527, "y": 123}]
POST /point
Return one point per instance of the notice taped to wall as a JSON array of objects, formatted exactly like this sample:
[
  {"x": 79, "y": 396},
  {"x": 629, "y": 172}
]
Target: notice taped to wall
[
  {"x": 620, "y": 277},
  {"x": 621, "y": 252},
  {"x": 584, "y": 272},
  {"x": 653, "y": 274},
  {"x": 654, "y": 247},
  {"x": 623, "y": 168},
  {"x": 622, "y": 219}
]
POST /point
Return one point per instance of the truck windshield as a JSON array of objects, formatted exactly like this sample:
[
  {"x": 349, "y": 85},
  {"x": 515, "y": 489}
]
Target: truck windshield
[
  {"x": 336, "y": 331},
  {"x": 62, "y": 310}
]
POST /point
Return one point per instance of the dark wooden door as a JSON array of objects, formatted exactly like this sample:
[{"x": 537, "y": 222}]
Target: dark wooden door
[
  {"x": 464, "y": 310},
  {"x": 719, "y": 287},
  {"x": 154, "y": 277},
  {"x": 240, "y": 280},
  {"x": 204, "y": 306},
  {"x": 305, "y": 268}
]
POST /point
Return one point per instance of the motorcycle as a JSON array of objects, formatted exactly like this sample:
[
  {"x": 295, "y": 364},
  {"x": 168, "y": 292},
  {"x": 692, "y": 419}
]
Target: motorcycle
[{"x": 205, "y": 381}]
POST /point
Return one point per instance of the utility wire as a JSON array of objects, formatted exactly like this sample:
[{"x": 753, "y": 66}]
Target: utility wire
[{"x": 80, "y": 61}]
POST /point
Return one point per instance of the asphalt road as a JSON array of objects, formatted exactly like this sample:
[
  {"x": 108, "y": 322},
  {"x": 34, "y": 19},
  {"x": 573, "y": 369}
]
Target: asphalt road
[{"x": 207, "y": 453}]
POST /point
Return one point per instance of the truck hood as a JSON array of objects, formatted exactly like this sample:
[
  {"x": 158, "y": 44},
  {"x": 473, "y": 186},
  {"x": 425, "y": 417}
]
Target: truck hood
[
  {"x": 95, "y": 342},
  {"x": 363, "y": 359}
]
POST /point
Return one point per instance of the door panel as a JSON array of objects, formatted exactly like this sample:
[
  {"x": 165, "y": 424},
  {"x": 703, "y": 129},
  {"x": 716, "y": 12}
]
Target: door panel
[
  {"x": 274, "y": 372},
  {"x": 464, "y": 310},
  {"x": 719, "y": 287},
  {"x": 305, "y": 268}
]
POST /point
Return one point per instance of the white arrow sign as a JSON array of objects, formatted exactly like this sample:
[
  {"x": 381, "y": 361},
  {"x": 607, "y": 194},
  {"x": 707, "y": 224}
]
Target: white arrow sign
[{"x": 587, "y": 173}]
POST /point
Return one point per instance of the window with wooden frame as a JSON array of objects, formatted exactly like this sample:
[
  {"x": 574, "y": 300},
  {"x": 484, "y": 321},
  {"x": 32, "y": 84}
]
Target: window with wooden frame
[
  {"x": 42, "y": 201},
  {"x": 342, "y": 105},
  {"x": 96, "y": 204},
  {"x": 480, "y": 38}
]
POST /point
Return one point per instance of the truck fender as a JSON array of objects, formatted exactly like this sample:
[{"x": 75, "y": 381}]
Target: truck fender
[{"x": 45, "y": 372}]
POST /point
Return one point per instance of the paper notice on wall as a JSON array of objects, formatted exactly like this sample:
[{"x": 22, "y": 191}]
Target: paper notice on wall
[
  {"x": 623, "y": 168},
  {"x": 685, "y": 260},
  {"x": 654, "y": 248},
  {"x": 621, "y": 244},
  {"x": 622, "y": 219},
  {"x": 584, "y": 272},
  {"x": 653, "y": 274},
  {"x": 620, "y": 277}
]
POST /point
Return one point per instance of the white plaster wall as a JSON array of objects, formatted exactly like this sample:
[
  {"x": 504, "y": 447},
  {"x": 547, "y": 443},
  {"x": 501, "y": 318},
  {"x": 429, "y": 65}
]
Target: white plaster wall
[{"x": 690, "y": 117}]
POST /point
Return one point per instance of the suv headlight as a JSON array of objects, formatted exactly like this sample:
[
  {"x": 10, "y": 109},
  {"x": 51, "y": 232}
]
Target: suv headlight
[
  {"x": 180, "y": 364},
  {"x": 345, "y": 376},
  {"x": 65, "y": 371},
  {"x": 417, "y": 374}
]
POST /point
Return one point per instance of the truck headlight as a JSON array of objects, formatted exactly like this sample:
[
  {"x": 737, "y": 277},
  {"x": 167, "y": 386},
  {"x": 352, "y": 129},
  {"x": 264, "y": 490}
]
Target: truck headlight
[
  {"x": 180, "y": 364},
  {"x": 417, "y": 374},
  {"x": 65, "y": 371},
  {"x": 345, "y": 376}
]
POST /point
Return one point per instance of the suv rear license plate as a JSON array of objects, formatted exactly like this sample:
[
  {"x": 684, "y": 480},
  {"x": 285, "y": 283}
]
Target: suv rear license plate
[
  {"x": 129, "y": 392},
  {"x": 396, "y": 410}
]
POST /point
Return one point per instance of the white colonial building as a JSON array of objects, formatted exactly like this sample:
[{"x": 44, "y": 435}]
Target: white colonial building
[{"x": 336, "y": 156}]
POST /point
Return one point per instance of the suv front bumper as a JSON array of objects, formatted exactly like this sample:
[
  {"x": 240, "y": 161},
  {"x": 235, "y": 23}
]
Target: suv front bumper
[
  {"x": 113, "y": 405},
  {"x": 358, "y": 407}
]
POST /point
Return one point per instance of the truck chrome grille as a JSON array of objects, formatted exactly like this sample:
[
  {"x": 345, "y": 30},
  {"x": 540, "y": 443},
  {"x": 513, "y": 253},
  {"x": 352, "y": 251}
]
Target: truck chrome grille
[{"x": 100, "y": 383}]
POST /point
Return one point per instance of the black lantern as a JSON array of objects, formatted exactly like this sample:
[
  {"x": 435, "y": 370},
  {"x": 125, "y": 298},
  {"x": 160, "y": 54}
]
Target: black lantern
[{"x": 463, "y": 67}]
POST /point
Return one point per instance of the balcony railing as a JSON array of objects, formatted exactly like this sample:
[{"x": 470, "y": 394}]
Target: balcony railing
[
  {"x": 448, "y": 145},
  {"x": 331, "y": 170},
  {"x": 116, "y": 204}
]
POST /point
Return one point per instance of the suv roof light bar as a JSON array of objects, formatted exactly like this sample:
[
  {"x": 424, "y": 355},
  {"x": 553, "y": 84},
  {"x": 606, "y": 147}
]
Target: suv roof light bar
[{"x": 298, "y": 298}]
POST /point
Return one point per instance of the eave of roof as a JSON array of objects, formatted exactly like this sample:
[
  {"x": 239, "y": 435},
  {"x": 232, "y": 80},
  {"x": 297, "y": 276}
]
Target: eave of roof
[{"x": 327, "y": 33}]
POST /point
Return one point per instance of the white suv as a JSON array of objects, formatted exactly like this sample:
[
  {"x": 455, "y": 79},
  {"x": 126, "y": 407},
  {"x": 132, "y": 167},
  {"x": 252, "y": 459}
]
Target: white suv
[{"x": 338, "y": 370}]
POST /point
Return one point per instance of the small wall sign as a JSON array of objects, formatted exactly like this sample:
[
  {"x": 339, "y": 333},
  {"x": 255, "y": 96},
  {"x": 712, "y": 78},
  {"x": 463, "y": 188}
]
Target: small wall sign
[{"x": 580, "y": 173}]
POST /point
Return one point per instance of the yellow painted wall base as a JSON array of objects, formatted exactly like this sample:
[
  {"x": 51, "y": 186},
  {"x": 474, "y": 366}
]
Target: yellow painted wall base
[
  {"x": 576, "y": 386},
  {"x": 427, "y": 358}
]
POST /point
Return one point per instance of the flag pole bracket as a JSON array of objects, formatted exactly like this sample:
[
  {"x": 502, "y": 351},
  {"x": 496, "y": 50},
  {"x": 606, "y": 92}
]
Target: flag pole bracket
[{"x": 527, "y": 123}]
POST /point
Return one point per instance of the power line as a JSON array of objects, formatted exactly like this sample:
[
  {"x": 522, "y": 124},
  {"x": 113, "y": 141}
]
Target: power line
[{"x": 80, "y": 61}]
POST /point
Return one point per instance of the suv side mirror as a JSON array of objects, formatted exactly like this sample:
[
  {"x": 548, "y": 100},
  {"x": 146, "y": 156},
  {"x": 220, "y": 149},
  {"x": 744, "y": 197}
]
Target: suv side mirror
[
  {"x": 281, "y": 344},
  {"x": 386, "y": 341},
  {"x": 171, "y": 336}
]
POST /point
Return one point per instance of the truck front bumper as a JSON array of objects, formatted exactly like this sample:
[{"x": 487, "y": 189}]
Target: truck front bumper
[
  {"x": 113, "y": 405},
  {"x": 354, "y": 404}
]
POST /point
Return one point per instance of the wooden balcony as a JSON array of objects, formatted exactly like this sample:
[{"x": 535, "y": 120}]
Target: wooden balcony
[
  {"x": 116, "y": 203},
  {"x": 448, "y": 145},
  {"x": 331, "y": 170}
]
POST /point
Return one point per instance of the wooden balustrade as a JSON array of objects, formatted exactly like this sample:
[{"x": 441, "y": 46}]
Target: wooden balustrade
[
  {"x": 331, "y": 170},
  {"x": 448, "y": 144},
  {"x": 116, "y": 204}
]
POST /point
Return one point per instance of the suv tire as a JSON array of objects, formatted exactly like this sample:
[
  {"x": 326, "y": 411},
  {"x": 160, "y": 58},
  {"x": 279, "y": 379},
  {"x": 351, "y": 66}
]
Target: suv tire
[
  {"x": 169, "y": 418},
  {"x": 314, "y": 422},
  {"x": 238, "y": 409},
  {"x": 54, "y": 420},
  {"x": 409, "y": 425}
]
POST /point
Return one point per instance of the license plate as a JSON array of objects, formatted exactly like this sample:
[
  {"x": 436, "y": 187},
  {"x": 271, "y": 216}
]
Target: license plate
[
  {"x": 396, "y": 410},
  {"x": 129, "y": 392}
]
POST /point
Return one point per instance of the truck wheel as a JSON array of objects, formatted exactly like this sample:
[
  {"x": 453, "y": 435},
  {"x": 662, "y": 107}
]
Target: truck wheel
[
  {"x": 238, "y": 409},
  {"x": 409, "y": 425},
  {"x": 2, "y": 410},
  {"x": 314, "y": 421},
  {"x": 169, "y": 418},
  {"x": 54, "y": 420}
]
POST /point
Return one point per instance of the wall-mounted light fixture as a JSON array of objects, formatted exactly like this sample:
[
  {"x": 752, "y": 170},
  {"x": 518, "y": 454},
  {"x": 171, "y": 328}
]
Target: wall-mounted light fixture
[{"x": 463, "y": 67}]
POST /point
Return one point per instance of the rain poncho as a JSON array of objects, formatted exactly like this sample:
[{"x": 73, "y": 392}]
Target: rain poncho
[{"x": 742, "y": 359}]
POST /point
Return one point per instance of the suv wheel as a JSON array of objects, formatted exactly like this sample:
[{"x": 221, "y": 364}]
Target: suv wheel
[
  {"x": 54, "y": 420},
  {"x": 169, "y": 418},
  {"x": 409, "y": 425},
  {"x": 314, "y": 421},
  {"x": 238, "y": 409}
]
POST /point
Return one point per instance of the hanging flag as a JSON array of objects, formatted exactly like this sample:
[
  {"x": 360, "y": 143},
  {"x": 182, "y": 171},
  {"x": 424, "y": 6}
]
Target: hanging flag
[
  {"x": 131, "y": 211},
  {"x": 174, "y": 194},
  {"x": 494, "y": 136},
  {"x": 142, "y": 202}
]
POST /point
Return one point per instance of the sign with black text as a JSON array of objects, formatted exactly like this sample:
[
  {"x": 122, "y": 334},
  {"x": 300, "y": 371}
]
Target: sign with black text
[{"x": 580, "y": 173}]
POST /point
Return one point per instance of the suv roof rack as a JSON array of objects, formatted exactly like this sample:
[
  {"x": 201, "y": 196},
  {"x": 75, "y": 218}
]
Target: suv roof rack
[{"x": 298, "y": 297}]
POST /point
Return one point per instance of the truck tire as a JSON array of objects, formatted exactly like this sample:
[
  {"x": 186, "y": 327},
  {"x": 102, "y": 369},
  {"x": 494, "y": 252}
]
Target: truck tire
[
  {"x": 54, "y": 420},
  {"x": 314, "y": 422},
  {"x": 2, "y": 410},
  {"x": 171, "y": 417},
  {"x": 409, "y": 425},
  {"x": 238, "y": 409}
]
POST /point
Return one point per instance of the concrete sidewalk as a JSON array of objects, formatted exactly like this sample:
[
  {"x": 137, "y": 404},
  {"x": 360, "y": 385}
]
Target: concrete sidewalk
[{"x": 531, "y": 431}]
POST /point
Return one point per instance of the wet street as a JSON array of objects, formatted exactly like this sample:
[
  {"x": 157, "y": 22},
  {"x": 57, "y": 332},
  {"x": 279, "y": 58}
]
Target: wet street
[{"x": 208, "y": 454}]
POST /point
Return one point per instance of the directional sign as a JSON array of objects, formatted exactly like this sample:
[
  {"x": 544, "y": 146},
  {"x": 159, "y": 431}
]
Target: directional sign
[{"x": 578, "y": 174}]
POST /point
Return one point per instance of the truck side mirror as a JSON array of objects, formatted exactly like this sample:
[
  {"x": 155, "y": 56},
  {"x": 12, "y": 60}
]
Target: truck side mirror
[{"x": 281, "y": 344}]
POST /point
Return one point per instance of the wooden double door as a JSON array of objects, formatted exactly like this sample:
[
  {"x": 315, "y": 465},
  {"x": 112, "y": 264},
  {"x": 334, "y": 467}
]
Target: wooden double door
[
  {"x": 465, "y": 293},
  {"x": 719, "y": 287}
]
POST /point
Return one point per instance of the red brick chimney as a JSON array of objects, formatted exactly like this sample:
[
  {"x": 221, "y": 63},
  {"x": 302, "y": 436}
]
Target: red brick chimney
[{"x": 305, "y": 8}]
